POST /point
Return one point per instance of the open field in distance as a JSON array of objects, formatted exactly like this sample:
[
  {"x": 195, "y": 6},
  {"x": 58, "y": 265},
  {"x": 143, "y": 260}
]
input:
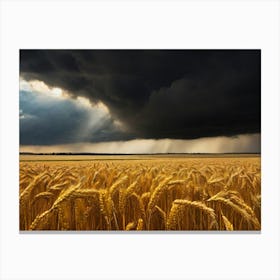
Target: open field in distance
[{"x": 140, "y": 192}]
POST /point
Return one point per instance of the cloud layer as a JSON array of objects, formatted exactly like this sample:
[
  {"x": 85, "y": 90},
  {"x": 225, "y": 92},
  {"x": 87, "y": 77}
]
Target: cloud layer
[
  {"x": 150, "y": 94},
  {"x": 238, "y": 144}
]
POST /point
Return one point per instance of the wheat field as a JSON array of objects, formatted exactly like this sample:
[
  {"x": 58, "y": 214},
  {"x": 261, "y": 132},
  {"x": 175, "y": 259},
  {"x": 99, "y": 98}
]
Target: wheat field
[{"x": 152, "y": 193}]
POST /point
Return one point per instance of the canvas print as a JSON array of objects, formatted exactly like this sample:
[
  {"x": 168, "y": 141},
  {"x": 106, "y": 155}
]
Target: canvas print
[{"x": 140, "y": 140}]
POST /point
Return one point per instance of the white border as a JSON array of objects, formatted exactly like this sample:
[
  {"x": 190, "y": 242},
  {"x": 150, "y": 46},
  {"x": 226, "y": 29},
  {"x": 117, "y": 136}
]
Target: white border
[{"x": 155, "y": 24}]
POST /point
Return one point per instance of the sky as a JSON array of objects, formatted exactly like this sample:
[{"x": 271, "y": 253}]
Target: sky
[{"x": 140, "y": 101}]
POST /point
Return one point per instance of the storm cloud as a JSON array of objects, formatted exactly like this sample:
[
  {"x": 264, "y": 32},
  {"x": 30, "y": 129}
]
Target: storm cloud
[
  {"x": 153, "y": 94},
  {"x": 239, "y": 144}
]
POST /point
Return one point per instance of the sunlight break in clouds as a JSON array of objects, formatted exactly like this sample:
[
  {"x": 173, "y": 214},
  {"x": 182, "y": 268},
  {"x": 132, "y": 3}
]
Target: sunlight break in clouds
[
  {"x": 239, "y": 144},
  {"x": 41, "y": 87},
  {"x": 50, "y": 111}
]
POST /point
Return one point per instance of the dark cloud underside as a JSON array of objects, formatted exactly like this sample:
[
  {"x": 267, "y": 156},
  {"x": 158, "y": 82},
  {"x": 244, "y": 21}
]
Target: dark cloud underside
[{"x": 176, "y": 94}]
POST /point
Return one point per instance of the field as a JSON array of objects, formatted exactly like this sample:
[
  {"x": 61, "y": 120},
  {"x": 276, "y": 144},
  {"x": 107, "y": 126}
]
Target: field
[{"x": 140, "y": 193}]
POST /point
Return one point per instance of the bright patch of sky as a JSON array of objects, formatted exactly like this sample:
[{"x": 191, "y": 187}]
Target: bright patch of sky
[{"x": 46, "y": 111}]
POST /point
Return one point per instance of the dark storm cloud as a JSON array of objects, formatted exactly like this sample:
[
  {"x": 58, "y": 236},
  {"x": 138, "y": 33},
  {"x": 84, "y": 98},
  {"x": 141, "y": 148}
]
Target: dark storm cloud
[{"x": 159, "y": 94}]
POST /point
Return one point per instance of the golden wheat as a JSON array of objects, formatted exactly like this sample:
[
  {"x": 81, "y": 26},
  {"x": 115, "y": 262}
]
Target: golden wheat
[{"x": 141, "y": 194}]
